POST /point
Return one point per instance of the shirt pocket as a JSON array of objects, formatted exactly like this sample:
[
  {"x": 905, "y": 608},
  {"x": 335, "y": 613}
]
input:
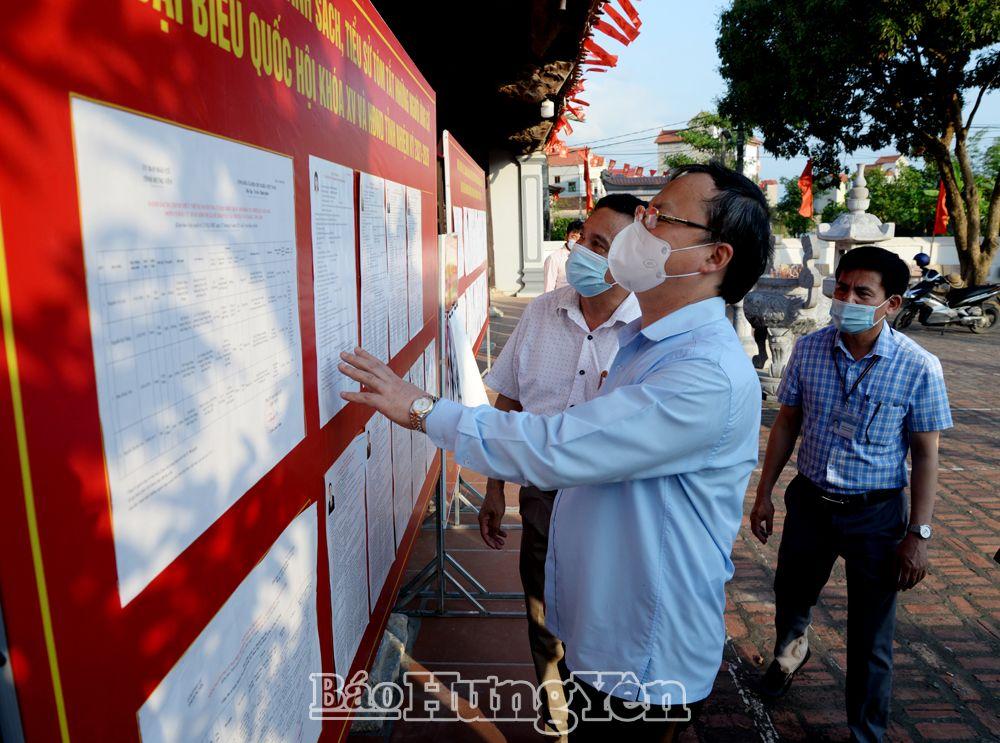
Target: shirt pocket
[{"x": 885, "y": 421}]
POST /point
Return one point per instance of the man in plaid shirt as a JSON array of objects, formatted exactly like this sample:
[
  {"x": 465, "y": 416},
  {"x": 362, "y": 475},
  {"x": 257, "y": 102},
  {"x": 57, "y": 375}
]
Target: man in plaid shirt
[{"x": 861, "y": 395}]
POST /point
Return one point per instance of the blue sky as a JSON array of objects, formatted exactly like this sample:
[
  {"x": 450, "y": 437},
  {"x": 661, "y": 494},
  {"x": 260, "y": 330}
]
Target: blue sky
[{"x": 671, "y": 73}]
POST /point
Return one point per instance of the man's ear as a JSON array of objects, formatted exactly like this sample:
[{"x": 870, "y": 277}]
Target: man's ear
[
  {"x": 895, "y": 302},
  {"x": 719, "y": 258}
]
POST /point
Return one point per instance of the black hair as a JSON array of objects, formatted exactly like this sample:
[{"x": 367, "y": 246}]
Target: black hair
[
  {"x": 575, "y": 226},
  {"x": 893, "y": 270},
  {"x": 737, "y": 215},
  {"x": 623, "y": 203}
]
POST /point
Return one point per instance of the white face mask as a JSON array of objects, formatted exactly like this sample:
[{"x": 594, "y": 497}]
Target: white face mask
[{"x": 637, "y": 258}]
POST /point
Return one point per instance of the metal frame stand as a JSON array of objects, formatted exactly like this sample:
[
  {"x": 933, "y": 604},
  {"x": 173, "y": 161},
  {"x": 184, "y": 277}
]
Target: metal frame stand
[{"x": 437, "y": 580}]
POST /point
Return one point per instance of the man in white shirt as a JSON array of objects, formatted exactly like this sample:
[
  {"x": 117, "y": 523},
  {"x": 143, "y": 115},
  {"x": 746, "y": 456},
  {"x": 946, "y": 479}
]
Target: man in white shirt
[
  {"x": 554, "y": 268},
  {"x": 558, "y": 356}
]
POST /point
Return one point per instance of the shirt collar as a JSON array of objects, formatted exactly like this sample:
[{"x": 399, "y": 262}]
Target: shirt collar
[
  {"x": 569, "y": 300},
  {"x": 885, "y": 343},
  {"x": 687, "y": 318}
]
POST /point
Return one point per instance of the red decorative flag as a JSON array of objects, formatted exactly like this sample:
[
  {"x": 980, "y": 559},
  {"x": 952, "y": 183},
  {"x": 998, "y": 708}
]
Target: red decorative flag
[
  {"x": 626, "y": 169},
  {"x": 631, "y": 12},
  {"x": 806, "y": 186},
  {"x": 586, "y": 180},
  {"x": 631, "y": 32},
  {"x": 613, "y": 32},
  {"x": 611, "y": 164},
  {"x": 638, "y": 171},
  {"x": 652, "y": 172},
  {"x": 602, "y": 57},
  {"x": 941, "y": 217}
]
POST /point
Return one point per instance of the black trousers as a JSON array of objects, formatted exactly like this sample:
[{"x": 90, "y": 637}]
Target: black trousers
[
  {"x": 634, "y": 722},
  {"x": 815, "y": 534},
  {"x": 546, "y": 649}
]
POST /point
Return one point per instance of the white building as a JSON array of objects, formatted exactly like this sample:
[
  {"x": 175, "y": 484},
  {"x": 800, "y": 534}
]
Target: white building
[
  {"x": 566, "y": 174},
  {"x": 889, "y": 164},
  {"x": 669, "y": 142}
]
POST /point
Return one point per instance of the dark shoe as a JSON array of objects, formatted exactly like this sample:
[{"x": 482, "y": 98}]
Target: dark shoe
[{"x": 775, "y": 682}]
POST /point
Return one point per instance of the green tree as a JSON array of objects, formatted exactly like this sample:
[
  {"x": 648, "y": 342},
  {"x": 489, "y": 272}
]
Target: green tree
[
  {"x": 897, "y": 72},
  {"x": 831, "y": 211},
  {"x": 908, "y": 200},
  {"x": 786, "y": 211},
  {"x": 710, "y": 136}
]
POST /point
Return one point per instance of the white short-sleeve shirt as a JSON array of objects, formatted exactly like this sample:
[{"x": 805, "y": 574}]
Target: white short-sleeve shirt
[
  {"x": 554, "y": 269},
  {"x": 552, "y": 360}
]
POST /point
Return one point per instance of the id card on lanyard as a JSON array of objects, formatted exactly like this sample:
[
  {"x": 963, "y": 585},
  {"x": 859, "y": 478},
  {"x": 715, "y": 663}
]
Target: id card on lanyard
[{"x": 846, "y": 421}]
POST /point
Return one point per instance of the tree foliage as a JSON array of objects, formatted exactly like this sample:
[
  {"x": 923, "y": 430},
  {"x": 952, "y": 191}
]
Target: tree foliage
[
  {"x": 710, "y": 136},
  {"x": 786, "y": 212},
  {"x": 827, "y": 77}
]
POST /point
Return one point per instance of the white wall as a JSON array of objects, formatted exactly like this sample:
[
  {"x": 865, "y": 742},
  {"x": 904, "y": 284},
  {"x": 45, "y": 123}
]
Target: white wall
[{"x": 788, "y": 251}]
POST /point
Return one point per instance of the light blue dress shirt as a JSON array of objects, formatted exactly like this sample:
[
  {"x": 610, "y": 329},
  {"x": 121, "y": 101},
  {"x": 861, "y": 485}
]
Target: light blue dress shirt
[
  {"x": 902, "y": 393},
  {"x": 653, "y": 473}
]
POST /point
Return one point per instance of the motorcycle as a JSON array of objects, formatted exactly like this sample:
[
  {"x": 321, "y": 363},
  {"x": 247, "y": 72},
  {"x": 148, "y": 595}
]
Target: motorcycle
[{"x": 974, "y": 307}]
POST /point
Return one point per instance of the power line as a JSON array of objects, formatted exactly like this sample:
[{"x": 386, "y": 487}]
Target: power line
[{"x": 628, "y": 134}]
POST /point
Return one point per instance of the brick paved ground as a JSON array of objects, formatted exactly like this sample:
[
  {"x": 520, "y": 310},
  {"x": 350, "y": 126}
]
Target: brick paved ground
[{"x": 948, "y": 628}]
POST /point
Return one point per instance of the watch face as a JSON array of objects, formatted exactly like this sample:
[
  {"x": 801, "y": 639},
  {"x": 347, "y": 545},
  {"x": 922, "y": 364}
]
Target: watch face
[
  {"x": 925, "y": 531},
  {"x": 422, "y": 405}
]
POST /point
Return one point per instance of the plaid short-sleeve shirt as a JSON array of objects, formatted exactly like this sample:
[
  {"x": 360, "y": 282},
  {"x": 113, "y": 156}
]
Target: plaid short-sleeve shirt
[{"x": 903, "y": 392}]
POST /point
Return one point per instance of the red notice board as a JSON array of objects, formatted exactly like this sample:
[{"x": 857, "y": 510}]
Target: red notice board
[
  {"x": 290, "y": 80},
  {"x": 466, "y": 202}
]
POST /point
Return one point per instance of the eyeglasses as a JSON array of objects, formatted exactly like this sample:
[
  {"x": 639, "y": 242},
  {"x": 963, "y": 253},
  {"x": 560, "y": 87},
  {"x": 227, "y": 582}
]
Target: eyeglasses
[{"x": 650, "y": 216}]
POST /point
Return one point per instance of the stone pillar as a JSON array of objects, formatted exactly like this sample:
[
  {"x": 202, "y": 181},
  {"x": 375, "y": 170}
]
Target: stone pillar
[
  {"x": 518, "y": 190},
  {"x": 534, "y": 191},
  {"x": 505, "y": 211}
]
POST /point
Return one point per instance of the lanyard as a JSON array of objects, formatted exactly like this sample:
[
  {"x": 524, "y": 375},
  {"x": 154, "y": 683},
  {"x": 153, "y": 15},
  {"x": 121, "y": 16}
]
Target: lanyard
[{"x": 843, "y": 383}]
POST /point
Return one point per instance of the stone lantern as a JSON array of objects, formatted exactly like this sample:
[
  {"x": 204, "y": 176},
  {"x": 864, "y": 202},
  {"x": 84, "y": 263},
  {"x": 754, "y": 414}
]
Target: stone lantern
[
  {"x": 781, "y": 310},
  {"x": 855, "y": 227}
]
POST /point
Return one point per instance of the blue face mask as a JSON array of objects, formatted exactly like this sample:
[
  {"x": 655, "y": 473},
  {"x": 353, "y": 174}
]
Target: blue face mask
[
  {"x": 585, "y": 270},
  {"x": 853, "y": 318}
]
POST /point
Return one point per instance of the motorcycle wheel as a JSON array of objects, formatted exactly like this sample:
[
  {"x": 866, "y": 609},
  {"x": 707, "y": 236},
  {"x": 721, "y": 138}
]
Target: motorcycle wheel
[
  {"x": 991, "y": 313},
  {"x": 903, "y": 318}
]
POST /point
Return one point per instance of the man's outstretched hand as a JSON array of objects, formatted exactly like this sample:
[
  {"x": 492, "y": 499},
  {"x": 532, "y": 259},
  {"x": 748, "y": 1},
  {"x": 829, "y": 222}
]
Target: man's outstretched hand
[{"x": 380, "y": 387}]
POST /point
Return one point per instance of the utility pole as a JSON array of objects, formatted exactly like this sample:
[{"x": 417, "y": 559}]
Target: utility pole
[{"x": 740, "y": 142}]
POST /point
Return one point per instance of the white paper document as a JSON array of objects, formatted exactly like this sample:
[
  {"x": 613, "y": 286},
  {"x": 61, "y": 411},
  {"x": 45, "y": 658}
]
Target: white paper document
[
  {"x": 471, "y": 390},
  {"x": 431, "y": 385},
  {"x": 402, "y": 480},
  {"x": 189, "y": 249},
  {"x": 246, "y": 676},
  {"x": 378, "y": 499},
  {"x": 458, "y": 223},
  {"x": 344, "y": 486},
  {"x": 418, "y": 440},
  {"x": 415, "y": 259},
  {"x": 395, "y": 230},
  {"x": 375, "y": 285},
  {"x": 335, "y": 276}
]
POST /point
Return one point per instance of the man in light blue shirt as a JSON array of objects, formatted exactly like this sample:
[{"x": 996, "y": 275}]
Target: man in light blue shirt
[{"x": 652, "y": 471}]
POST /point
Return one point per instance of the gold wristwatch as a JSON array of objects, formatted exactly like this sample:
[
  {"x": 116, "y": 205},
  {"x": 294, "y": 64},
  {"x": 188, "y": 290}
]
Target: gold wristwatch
[{"x": 419, "y": 410}]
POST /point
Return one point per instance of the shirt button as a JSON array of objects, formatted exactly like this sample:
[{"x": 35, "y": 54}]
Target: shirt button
[
  {"x": 582, "y": 371},
  {"x": 590, "y": 337}
]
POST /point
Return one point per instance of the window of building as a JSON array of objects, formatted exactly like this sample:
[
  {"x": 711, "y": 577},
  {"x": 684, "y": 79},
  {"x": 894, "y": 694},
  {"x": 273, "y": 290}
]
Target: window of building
[{"x": 558, "y": 178}]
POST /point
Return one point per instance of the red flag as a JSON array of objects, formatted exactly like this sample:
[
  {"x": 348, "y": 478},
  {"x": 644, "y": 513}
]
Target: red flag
[
  {"x": 631, "y": 32},
  {"x": 609, "y": 60},
  {"x": 613, "y": 32},
  {"x": 626, "y": 169},
  {"x": 586, "y": 180},
  {"x": 941, "y": 217},
  {"x": 631, "y": 12},
  {"x": 611, "y": 164},
  {"x": 806, "y": 186},
  {"x": 638, "y": 171},
  {"x": 652, "y": 172}
]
